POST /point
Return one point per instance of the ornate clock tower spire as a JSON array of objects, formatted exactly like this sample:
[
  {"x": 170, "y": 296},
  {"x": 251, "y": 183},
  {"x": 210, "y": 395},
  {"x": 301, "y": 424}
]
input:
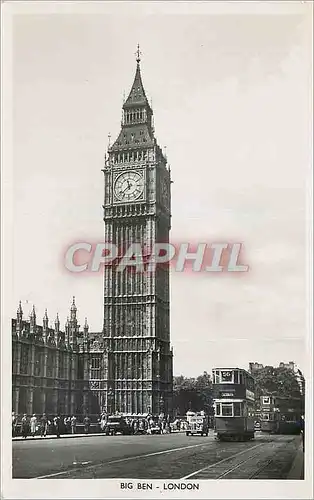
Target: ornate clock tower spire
[{"x": 136, "y": 305}]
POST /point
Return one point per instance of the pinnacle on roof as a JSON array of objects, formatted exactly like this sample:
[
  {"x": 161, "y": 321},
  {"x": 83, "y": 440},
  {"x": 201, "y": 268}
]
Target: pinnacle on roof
[
  {"x": 73, "y": 306},
  {"x": 19, "y": 309},
  {"x": 137, "y": 96}
]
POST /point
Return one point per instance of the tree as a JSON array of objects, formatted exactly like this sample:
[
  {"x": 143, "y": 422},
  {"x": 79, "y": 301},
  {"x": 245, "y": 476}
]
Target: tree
[
  {"x": 193, "y": 393},
  {"x": 280, "y": 382}
]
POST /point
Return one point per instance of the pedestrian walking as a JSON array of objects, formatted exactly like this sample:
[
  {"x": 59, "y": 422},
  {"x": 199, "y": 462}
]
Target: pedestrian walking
[
  {"x": 33, "y": 425},
  {"x": 302, "y": 426},
  {"x": 57, "y": 425},
  {"x": 43, "y": 425},
  {"x": 103, "y": 422},
  {"x": 14, "y": 424},
  {"x": 65, "y": 420},
  {"x": 73, "y": 424},
  {"x": 25, "y": 426},
  {"x": 135, "y": 426},
  {"x": 86, "y": 422},
  {"x": 141, "y": 426},
  {"x": 67, "y": 425}
]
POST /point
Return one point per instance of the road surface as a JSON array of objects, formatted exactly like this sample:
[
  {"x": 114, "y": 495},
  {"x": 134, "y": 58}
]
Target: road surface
[{"x": 170, "y": 456}]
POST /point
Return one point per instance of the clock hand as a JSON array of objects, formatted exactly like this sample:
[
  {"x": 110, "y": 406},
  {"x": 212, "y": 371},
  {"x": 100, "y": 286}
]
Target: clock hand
[
  {"x": 127, "y": 188},
  {"x": 122, "y": 192}
]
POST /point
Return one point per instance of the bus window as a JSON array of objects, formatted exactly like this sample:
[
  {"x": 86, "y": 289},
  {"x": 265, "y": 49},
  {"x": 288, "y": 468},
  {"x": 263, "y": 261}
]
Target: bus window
[
  {"x": 245, "y": 410},
  {"x": 226, "y": 409},
  {"x": 236, "y": 409},
  {"x": 217, "y": 378},
  {"x": 226, "y": 376},
  {"x": 236, "y": 376},
  {"x": 217, "y": 409},
  {"x": 266, "y": 400}
]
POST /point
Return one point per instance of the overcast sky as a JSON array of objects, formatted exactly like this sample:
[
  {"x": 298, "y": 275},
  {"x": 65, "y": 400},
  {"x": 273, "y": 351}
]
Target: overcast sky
[{"x": 231, "y": 102}]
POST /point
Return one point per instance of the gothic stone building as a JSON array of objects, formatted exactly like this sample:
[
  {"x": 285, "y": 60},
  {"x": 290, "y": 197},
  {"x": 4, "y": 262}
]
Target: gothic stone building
[
  {"x": 52, "y": 369},
  {"x": 128, "y": 366}
]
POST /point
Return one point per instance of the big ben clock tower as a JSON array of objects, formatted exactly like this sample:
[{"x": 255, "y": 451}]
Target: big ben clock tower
[{"x": 138, "y": 356}]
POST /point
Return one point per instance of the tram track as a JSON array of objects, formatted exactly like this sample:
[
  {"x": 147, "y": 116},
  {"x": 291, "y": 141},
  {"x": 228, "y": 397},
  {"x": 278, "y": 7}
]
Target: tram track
[
  {"x": 243, "y": 462},
  {"x": 249, "y": 467}
]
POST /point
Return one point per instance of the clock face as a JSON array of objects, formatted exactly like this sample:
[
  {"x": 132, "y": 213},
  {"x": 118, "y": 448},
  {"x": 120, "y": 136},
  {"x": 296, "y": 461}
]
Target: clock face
[{"x": 129, "y": 186}]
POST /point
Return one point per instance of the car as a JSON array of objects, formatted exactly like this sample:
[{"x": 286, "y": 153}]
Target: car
[
  {"x": 117, "y": 425},
  {"x": 197, "y": 424},
  {"x": 154, "y": 428}
]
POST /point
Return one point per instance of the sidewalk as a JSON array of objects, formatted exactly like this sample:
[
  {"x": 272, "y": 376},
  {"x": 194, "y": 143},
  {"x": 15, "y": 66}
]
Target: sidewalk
[
  {"x": 53, "y": 436},
  {"x": 63, "y": 436},
  {"x": 297, "y": 468}
]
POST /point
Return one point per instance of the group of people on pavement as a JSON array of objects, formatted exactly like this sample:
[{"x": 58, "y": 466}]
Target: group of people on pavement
[
  {"x": 34, "y": 425},
  {"x": 30, "y": 426}
]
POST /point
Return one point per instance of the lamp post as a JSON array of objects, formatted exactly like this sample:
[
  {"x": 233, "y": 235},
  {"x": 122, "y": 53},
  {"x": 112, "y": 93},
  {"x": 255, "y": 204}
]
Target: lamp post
[
  {"x": 110, "y": 397},
  {"x": 161, "y": 404}
]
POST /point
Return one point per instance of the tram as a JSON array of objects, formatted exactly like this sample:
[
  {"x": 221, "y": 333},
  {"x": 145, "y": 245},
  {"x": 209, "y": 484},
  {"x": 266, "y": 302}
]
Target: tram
[
  {"x": 234, "y": 400},
  {"x": 280, "y": 415},
  {"x": 270, "y": 415}
]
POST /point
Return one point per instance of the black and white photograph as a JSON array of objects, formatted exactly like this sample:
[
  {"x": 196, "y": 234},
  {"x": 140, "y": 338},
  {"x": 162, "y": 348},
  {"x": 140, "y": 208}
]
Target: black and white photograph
[{"x": 156, "y": 249}]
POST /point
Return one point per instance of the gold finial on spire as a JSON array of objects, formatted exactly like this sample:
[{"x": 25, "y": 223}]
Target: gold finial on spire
[{"x": 138, "y": 54}]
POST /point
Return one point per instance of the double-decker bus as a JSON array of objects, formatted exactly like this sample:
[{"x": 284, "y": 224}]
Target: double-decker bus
[{"x": 234, "y": 400}]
